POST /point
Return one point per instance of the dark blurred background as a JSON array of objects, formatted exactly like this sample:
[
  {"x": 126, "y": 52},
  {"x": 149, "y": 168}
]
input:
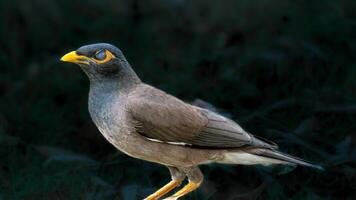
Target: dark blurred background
[{"x": 284, "y": 69}]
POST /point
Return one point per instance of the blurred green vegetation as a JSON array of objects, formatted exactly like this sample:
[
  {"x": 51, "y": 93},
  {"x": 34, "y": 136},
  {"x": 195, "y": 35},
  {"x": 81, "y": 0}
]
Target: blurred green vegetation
[{"x": 284, "y": 69}]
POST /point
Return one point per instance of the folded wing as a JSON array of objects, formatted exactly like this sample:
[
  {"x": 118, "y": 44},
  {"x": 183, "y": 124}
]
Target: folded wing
[{"x": 162, "y": 117}]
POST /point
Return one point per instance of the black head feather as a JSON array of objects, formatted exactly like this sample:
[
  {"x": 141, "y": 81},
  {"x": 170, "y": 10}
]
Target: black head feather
[{"x": 105, "y": 62}]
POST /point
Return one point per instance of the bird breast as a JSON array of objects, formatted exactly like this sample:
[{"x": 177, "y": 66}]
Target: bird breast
[{"x": 107, "y": 110}]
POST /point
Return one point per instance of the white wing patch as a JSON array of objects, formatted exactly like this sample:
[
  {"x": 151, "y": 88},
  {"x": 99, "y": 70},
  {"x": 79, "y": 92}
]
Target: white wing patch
[{"x": 174, "y": 143}]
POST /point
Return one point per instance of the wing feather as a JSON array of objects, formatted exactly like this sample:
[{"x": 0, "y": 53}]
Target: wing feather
[{"x": 162, "y": 117}]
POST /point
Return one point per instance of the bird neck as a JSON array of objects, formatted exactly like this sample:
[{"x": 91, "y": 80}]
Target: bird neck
[{"x": 125, "y": 80}]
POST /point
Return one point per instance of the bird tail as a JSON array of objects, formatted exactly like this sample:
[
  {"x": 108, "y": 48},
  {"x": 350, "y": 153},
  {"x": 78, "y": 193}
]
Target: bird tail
[
  {"x": 264, "y": 156},
  {"x": 284, "y": 158}
]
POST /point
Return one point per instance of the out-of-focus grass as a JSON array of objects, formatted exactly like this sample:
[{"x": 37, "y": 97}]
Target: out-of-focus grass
[{"x": 285, "y": 69}]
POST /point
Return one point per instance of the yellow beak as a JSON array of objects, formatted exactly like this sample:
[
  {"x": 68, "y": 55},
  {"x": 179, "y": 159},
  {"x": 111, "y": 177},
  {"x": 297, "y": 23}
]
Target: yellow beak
[{"x": 73, "y": 57}]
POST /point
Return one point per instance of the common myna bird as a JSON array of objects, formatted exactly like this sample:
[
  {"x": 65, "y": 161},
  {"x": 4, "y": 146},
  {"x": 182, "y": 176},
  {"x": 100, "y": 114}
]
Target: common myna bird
[{"x": 149, "y": 124}]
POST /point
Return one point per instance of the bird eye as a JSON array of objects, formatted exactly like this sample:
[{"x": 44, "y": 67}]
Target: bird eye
[
  {"x": 103, "y": 56},
  {"x": 100, "y": 55}
]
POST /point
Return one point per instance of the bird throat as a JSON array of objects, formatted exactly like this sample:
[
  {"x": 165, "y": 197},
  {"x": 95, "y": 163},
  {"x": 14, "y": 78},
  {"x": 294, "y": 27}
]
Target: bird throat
[{"x": 113, "y": 79}]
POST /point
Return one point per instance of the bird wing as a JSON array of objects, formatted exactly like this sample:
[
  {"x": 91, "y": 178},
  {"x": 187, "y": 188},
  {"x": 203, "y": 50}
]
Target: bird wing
[{"x": 160, "y": 116}]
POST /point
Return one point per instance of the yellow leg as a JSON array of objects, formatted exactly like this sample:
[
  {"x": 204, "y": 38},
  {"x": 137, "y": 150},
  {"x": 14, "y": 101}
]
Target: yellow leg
[
  {"x": 191, "y": 186},
  {"x": 164, "y": 190}
]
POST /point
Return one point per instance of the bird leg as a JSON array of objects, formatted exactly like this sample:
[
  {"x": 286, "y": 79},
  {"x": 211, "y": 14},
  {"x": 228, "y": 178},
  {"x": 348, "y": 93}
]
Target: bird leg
[
  {"x": 191, "y": 186},
  {"x": 164, "y": 190},
  {"x": 177, "y": 178},
  {"x": 195, "y": 178}
]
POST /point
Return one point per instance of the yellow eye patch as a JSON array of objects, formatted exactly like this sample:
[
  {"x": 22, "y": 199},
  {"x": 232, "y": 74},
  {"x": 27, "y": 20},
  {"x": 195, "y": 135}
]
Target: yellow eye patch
[{"x": 103, "y": 56}]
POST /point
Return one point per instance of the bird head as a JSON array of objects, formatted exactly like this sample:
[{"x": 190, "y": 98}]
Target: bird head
[{"x": 99, "y": 61}]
